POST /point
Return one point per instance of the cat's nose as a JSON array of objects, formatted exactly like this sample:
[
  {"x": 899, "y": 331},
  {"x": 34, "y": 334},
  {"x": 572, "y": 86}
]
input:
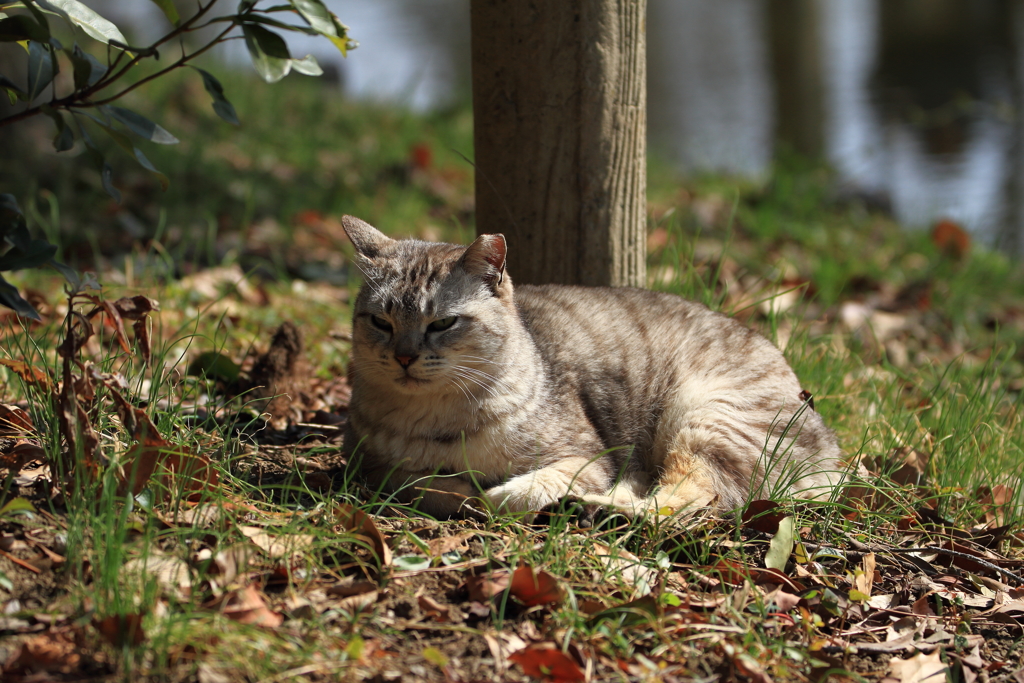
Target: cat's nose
[{"x": 405, "y": 361}]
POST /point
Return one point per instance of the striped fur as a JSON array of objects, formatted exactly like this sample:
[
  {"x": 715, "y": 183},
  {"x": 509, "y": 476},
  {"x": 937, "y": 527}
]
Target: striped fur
[{"x": 627, "y": 397}]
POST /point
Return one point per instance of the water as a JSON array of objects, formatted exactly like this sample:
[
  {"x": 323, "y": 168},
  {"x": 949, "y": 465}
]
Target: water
[{"x": 914, "y": 102}]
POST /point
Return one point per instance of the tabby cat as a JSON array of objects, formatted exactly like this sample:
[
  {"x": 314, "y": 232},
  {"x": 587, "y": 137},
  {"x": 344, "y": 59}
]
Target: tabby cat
[{"x": 467, "y": 389}]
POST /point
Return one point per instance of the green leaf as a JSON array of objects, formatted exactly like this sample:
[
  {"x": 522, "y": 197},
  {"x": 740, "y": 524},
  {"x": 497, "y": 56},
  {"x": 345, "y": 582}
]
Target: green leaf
[
  {"x": 88, "y": 70},
  {"x": 268, "y": 51},
  {"x": 17, "y": 505},
  {"x": 40, "y": 68},
  {"x": 107, "y": 176},
  {"x": 6, "y": 583},
  {"x": 21, "y": 27},
  {"x": 317, "y": 15},
  {"x": 781, "y": 546},
  {"x": 65, "y": 137},
  {"x": 26, "y": 253},
  {"x": 140, "y": 125},
  {"x": 307, "y": 66},
  {"x": 146, "y": 164},
  {"x": 92, "y": 23},
  {"x": 69, "y": 273},
  {"x": 214, "y": 365},
  {"x": 169, "y": 10},
  {"x": 224, "y": 109},
  {"x": 411, "y": 563},
  {"x": 10, "y": 298},
  {"x": 267, "y": 21},
  {"x": 12, "y": 89}
]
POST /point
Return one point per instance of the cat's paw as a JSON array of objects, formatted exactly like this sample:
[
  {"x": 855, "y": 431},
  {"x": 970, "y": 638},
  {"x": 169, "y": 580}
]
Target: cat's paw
[{"x": 586, "y": 512}]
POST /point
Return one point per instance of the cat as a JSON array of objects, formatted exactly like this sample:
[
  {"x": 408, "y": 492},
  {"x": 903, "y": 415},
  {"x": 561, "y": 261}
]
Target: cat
[{"x": 466, "y": 389}]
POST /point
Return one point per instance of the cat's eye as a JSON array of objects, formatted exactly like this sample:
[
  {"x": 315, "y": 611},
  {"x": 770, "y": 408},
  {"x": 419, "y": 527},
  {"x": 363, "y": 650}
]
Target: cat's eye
[
  {"x": 380, "y": 323},
  {"x": 442, "y": 324}
]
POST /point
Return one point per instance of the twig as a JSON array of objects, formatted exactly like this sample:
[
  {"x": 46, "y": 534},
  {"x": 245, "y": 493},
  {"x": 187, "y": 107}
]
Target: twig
[{"x": 928, "y": 549}]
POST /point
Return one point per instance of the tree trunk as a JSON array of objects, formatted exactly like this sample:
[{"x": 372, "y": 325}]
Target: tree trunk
[
  {"x": 795, "y": 35},
  {"x": 559, "y": 109}
]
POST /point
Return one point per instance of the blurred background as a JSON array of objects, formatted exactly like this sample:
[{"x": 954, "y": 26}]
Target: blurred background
[{"x": 914, "y": 103}]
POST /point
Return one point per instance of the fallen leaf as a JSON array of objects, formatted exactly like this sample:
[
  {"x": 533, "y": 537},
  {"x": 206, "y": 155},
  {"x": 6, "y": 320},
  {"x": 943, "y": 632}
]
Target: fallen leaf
[
  {"x": 15, "y": 421},
  {"x": 919, "y": 668},
  {"x": 761, "y": 515},
  {"x": 781, "y": 545},
  {"x": 279, "y": 546},
  {"x": 483, "y": 587},
  {"x": 951, "y": 238},
  {"x": 546, "y": 661},
  {"x": 29, "y": 374},
  {"x": 121, "y": 629},
  {"x": 247, "y": 606},
  {"x": 355, "y": 521},
  {"x": 53, "y": 651},
  {"x": 533, "y": 588},
  {"x": 864, "y": 580}
]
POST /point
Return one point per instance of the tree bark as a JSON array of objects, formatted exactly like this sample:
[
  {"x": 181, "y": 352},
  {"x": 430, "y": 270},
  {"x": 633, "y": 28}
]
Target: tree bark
[
  {"x": 795, "y": 36},
  {"x": 560, "y": 123}
]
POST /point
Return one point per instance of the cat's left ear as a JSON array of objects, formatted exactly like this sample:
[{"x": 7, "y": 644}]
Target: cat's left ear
[
  {"x": 485, "y": 258},
  {"x": 368, "y": 240}
]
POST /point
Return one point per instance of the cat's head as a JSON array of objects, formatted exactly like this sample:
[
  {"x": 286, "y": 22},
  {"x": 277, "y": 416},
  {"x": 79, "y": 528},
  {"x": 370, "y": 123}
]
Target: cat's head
[{"x": 430, "y": 317}]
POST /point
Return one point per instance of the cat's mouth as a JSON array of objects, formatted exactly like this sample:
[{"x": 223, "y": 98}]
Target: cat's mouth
[{"x": 410, "y": 382}]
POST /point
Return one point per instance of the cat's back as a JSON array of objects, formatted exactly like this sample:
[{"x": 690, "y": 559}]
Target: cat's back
[{"x": 575, "y": 324}]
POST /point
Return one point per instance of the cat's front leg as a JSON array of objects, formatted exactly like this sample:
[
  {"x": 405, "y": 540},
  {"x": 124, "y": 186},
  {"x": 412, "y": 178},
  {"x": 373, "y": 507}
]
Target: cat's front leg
[
  {"x": 539, "y": 488},
  {"x": 436, "y": 494}
]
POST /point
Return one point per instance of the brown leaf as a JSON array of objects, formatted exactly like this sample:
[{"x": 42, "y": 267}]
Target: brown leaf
[
  {"x": 247, "y": 606},
  {"x": 135, "y": 307},
  {"x": 53, "y": 651},
  {"x": 433, "y": 609},
  {"x": 141, "y": 329},
  {"x": 951, "y": 238},
  {"x": 279, "y": 546},
  {"x": 483, "y": 587},
  {"x": 357, "y": 522},
  {"x": 759, "y": 515},
  {"x": 547, "y": 662},
  {"x": 121, "y": 629},
  {"x": 996, "y": 502},
  {"x": 533, "y": 588},
  {"x": 15, "y": 421},
  {"x": 864, "y": 581},
  {"x": 446, "y": 544},
  {"x": 921, "y": 668},
  {"x": 29, "y": 374},
  {"x": 171, "y": 467}
]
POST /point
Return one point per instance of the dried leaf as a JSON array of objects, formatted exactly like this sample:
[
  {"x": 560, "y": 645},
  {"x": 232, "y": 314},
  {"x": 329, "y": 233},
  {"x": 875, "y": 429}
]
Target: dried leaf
[
  {"x": 247, "y": 606},
  {"x": 547, "y": 662},
  {"x": 920, "y": 668},
  {"x": 781, "y": 546},
  {"x": 483, "y": 587},
  {"x": 15, "y": 421},
  {"x": 170, "y": 467},
  {"x": 279, "y": 546},
  {"x": 864, "y": 580},
  {"x": 353, "y": 520},
  {"x": 53, "y": 651},
  {"x": 761, "y": 515},
  {"x": 121, "y": 629},
  {"x": 533, "y": 588},
  {"x": 29, "y": 374}
]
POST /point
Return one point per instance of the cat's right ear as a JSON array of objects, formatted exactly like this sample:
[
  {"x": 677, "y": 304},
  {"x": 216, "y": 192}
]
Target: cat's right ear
[
  {"x": 485, "y": 258},
  {"x": 368, "y": 240}
]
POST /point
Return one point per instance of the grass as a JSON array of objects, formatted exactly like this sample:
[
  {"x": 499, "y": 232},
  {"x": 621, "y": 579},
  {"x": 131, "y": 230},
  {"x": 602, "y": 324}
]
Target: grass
[{"x": 905, "y": 347}]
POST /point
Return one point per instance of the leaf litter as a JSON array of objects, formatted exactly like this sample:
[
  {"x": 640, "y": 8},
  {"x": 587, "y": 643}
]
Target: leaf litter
[{"x": 883, "y": 587}]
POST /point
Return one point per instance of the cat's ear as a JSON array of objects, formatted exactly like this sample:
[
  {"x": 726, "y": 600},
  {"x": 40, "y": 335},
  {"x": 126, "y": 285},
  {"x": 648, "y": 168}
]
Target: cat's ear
[
  {"x": 368, "y": 240},
  {"x": 485, "y": 258}
]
